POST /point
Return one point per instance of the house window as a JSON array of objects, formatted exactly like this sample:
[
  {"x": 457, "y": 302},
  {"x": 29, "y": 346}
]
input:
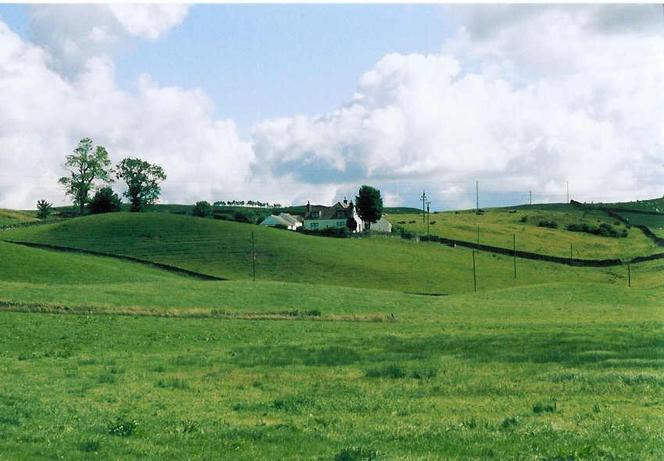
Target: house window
[
  {"x": 341, "y": 223},
  {"x": 314, "y": 225}
]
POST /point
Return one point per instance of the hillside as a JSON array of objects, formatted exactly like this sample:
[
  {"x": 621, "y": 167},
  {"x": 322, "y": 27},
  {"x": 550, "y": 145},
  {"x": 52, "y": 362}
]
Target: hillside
[
  {"x": 14, "y": 217},
  {"x": 498, "y": 226},
  {"x": 31, "y": 265},
  {"x": 224, "y": 249}
]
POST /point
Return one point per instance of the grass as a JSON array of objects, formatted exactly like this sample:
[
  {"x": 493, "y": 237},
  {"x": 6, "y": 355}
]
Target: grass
[
  {"x": 654, "y": 222},
  {"x": 333, "y": 353},
  {"x": 498, "y": 226},
  {"x": 14, "y": 217},
  {"x": 224, "y": 249},
  {"x": 502, "y": 374}
]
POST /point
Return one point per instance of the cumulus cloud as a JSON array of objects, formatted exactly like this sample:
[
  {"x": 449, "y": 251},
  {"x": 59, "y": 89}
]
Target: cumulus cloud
[
  {"x": 72, "y": 34},
  {"x": 45, "y": 114},
  {"x": 544, "y": 100}
]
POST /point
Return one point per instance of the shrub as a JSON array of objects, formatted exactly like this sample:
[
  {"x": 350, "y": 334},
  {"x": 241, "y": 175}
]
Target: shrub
[
  {"x": 549, "y": 224},
  {"x": 202, "y": 209},
  {"x": 432, "y": 222},
  {"x": 43, "y": 209},
  {"x": 604, "y": 230},
  {"x": 240, "y": 217},
  {"x": 104, "y": 201}
]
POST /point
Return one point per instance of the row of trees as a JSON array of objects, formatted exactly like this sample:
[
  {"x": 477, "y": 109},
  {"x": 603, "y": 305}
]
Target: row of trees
[
  {"x": 251, "y": 203},
  {"x": 90, "y": 169}
]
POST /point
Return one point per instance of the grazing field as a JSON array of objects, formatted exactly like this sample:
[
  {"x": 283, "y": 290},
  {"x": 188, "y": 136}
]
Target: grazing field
[
  {"x": 656, "y": 205},
  {"x": 498, "y": 226},
  {"x": 14, "y": 217},
  {"x": 654, "y": 222},
  {"x": 566, "y": 371},
  {"x": 334, "y": 353},
  {"x": 224, "y": 249}
]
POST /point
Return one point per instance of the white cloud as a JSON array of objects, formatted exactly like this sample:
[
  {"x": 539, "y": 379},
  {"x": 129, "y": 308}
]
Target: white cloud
[
  {"x": 72, "y": 34},
  {"x": 544, "y": 100},
  {"x": 45, "y": 114}
]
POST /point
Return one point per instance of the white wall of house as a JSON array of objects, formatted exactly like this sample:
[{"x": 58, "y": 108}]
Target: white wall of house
[{"x": 320, "y": 224}]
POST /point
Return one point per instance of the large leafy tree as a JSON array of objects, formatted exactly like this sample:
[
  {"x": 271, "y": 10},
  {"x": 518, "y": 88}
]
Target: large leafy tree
[
  {"x": 369, "y": 205},
  {"x": 142, "y": 180},
  {"x": 87, "y": 165}
]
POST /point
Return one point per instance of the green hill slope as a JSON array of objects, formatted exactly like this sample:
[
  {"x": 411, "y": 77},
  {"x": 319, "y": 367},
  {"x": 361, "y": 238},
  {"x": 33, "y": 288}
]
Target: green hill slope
[
  {"x": 498, "y": 226},
  {"x": 30, "y": 265},
  {"x": 224, "y": 249},
  {"x": 14, "y": 217}
]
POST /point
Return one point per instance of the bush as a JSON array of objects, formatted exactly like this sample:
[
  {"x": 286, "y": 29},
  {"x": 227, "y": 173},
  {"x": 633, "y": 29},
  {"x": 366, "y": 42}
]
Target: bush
[
  {"x": 604, "y": 230},
  {"x": 549, "y": 224},
  {"x": 43, "y": 209},
  {"x": 202, "y": 209},
  {"x": 104, "y": 201}
]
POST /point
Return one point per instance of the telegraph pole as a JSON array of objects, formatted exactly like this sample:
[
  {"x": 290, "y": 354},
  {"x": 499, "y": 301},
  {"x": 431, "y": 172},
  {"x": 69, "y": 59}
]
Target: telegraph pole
[
  {"x": 567, "y": 184},
  {"x": 474, "y": 273},
  {"x": 428, "y": 216},
  {"x": 514, "y": 245},
  {"x": 424, "y": 199},
  {"x": 477, "y": 196}
]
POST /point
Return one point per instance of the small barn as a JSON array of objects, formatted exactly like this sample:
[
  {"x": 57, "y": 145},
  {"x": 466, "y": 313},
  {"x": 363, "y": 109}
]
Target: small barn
[{"x": 285, "y": 220}]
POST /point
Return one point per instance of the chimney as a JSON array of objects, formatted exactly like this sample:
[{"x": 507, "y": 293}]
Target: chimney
[
  {"x": 308, "y": 207},
  {"x": 345, "y": 201}
]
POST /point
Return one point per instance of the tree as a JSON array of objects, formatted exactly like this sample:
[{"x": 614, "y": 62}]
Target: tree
[
  {"x": 43, "y": 209},
  {"x": 105, "y": 201},
  {"x": 202, "y": 209},
  {"x": 86, "y": 166},
  {"x": 369, "y": 205},
  {"x": 142, "y": 180}
]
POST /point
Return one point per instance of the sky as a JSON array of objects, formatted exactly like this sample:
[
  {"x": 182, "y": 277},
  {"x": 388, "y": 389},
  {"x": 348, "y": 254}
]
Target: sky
[{"x": 296, "y": 103}]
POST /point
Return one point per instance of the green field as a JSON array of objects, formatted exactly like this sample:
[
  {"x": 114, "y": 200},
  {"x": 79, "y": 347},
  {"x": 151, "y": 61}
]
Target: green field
[
  {"x": 8, "y": 217},
  {"x": 654, "y": 222},
  {"x": 332, "y": 354},
  {"x": 497, "y": 227}
]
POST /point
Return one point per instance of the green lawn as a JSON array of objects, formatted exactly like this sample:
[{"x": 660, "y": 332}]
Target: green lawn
[{"x": 498, "y": 227}]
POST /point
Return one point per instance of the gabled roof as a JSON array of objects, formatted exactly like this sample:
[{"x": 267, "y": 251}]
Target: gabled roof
[
  {"x": 292, "y": 220},
  {"x": 336, "y": 211}
]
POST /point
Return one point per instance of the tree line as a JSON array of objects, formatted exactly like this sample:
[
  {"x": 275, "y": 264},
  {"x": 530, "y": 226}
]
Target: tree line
[{"x": 89, "y": 170}]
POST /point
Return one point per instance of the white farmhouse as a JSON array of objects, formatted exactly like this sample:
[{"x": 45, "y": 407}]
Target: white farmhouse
[
  {"x": 338, "y": 216},
  {"x": 283, "y": 219}
]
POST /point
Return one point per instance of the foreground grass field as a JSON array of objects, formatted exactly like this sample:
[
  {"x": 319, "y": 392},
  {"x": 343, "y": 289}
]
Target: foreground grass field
[
  {"x": 498, "y": 226},
  {"x": 224, "y": 249},
  {"x": 329, "y": 355},
  {"x": 549, "y": 372}
]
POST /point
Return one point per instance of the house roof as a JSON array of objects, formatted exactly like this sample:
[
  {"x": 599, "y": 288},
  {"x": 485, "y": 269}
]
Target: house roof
[
  {"x": 290, "y": 218},
  {"x": 336, "y": 211}
]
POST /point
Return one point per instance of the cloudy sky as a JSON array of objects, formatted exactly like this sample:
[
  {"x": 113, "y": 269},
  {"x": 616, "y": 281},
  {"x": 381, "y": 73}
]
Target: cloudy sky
[{"x": 294, "y": 103}]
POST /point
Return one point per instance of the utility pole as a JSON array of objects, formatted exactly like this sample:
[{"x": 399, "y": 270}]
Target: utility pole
[
  {"x": 477, "y": 196},
  {"x": 428, "y": 216},
  {"x": 424, "y": 199},
  {"x": 567, "y": 184},
  {"x": 253, "y": 256},
  {"x": 514, "y": 246},
  {"x": 474, "y": 273}
]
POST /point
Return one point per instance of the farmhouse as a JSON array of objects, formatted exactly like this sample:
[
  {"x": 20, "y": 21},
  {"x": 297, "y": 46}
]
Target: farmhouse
[
  {"x": 338, "y": 216},
  {"x": 283, "y": 219}
]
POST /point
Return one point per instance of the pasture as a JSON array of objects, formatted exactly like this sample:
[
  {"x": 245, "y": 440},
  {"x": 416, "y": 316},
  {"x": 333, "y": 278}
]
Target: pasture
[
  {"x": 497, "y": 227},
  {"x": 342, "y": 349}
]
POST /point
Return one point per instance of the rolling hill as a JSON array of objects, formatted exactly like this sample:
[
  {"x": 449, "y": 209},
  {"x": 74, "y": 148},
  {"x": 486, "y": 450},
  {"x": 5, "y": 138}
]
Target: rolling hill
[{"x": 224, "y": 249}]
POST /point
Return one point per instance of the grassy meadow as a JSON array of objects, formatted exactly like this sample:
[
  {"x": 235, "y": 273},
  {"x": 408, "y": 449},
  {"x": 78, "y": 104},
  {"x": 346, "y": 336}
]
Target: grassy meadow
[
  {"x": 373, "y": 348},
  {"x": 497, "y": 227}
]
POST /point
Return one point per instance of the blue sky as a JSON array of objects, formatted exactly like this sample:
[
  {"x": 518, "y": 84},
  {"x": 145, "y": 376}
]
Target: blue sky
[
  {"x": 290, "y": 103},
  {"x": 265, "y": 61}
]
